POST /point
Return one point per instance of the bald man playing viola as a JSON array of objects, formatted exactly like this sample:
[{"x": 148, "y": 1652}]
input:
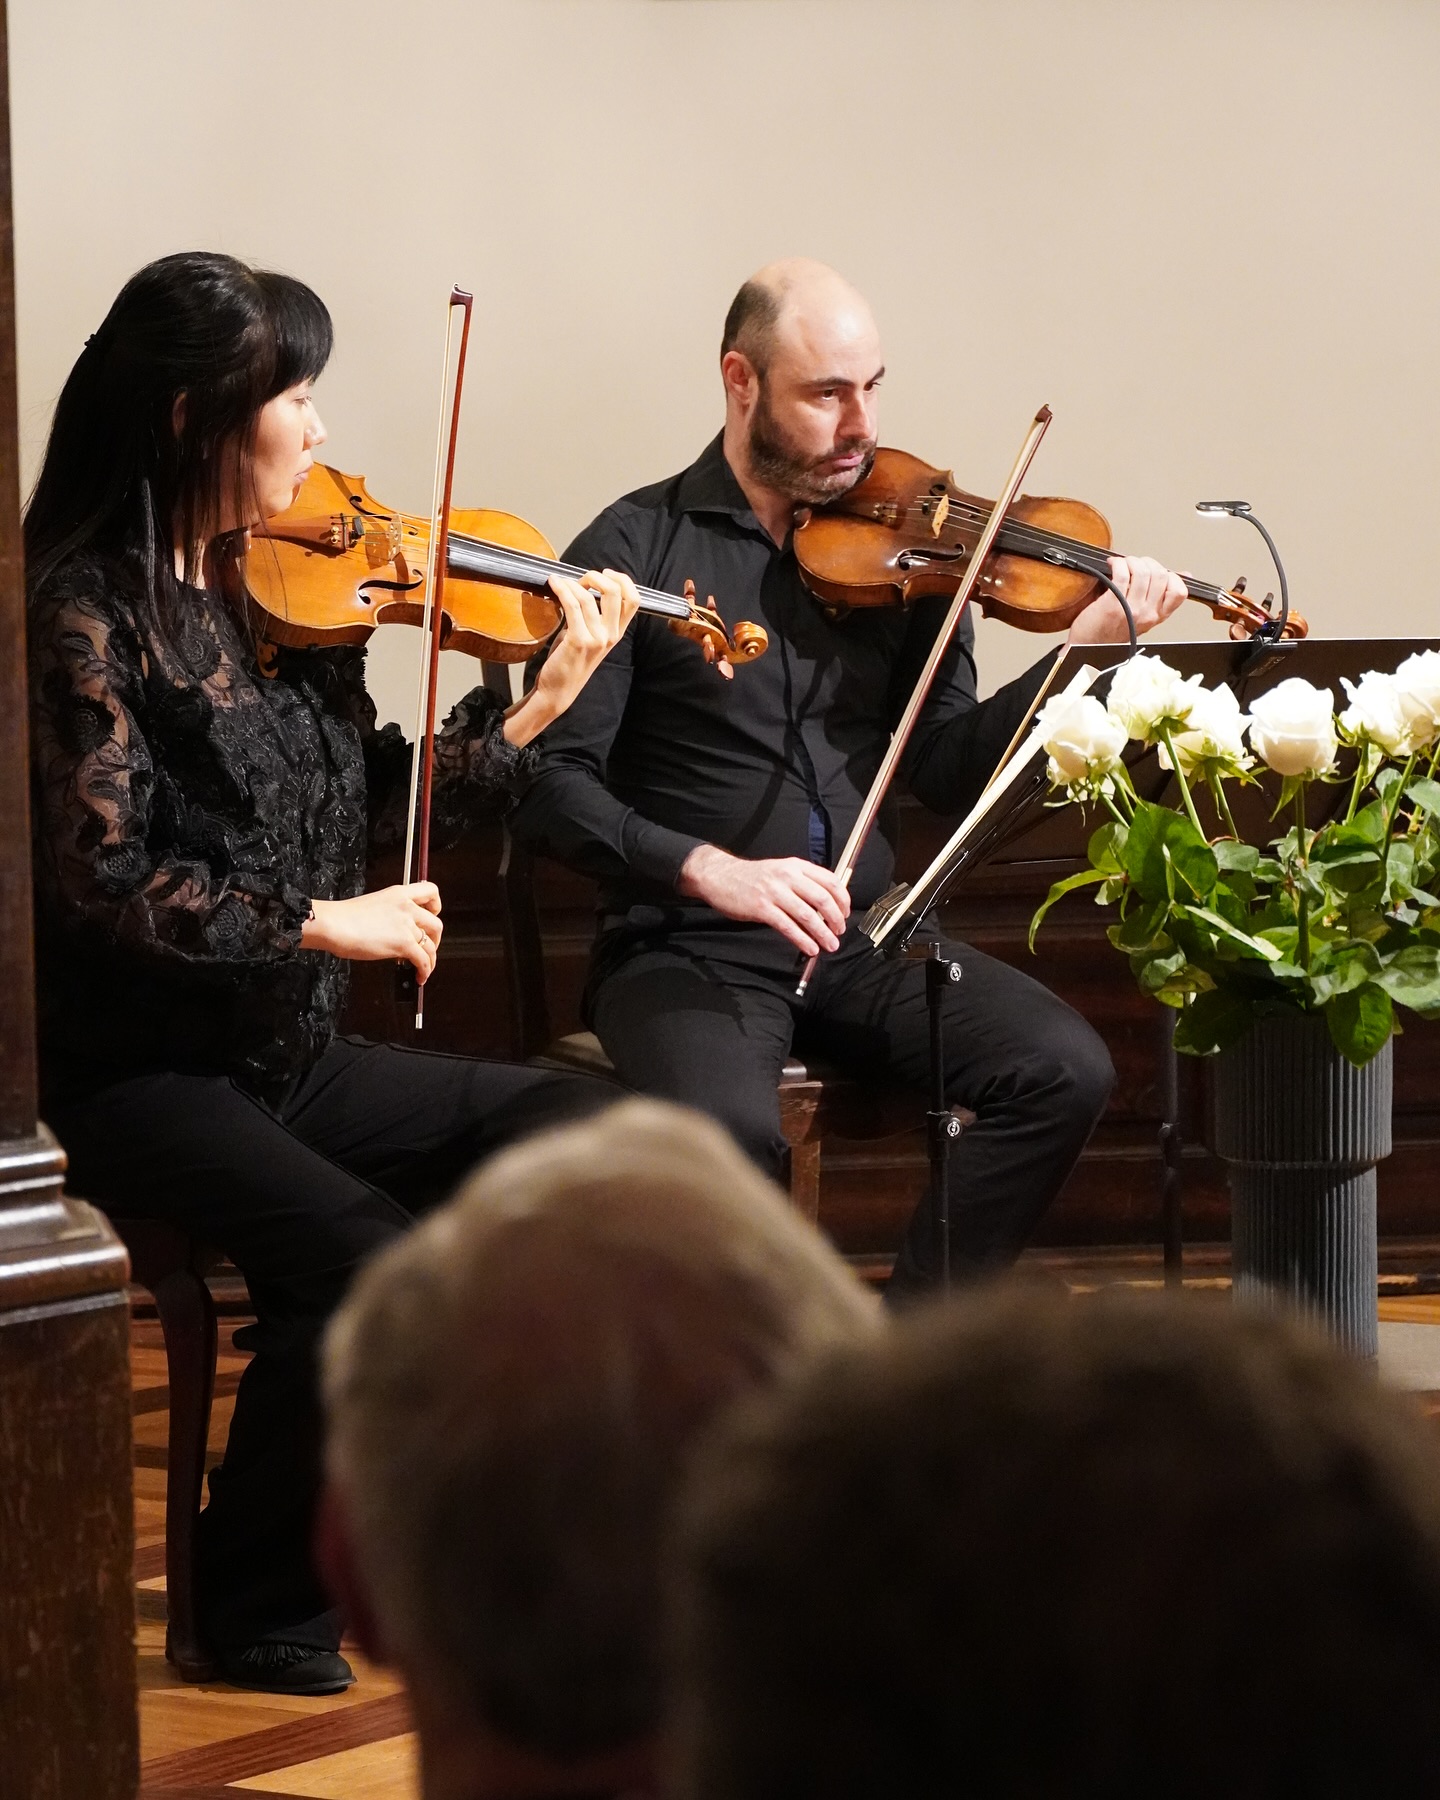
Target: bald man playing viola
[{"x": 712, "y": 812}]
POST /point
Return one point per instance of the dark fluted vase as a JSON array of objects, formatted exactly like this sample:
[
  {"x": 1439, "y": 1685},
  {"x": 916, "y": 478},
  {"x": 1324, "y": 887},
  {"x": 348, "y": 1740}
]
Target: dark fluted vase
[{"x": 1302, "y": 1130}]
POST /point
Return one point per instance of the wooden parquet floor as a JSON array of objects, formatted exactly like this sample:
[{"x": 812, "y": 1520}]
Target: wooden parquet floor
[{"x": 212, "y": 1742}]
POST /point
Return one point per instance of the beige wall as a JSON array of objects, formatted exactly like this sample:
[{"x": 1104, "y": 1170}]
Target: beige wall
[{"x": 1205, "y": 232}]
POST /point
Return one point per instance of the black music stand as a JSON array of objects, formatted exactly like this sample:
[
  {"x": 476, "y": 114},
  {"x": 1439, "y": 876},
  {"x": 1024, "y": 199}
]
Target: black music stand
[{"x": 1024, "y": 833}]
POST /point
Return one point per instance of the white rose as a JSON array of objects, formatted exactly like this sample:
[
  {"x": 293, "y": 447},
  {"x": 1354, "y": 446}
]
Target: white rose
[
  {"x": 1375, "y": 713},
  {"x": 1417, "y": 687},
  {"x": 1214, "y": 741},
  {"x": 1081, "y": 739},
  {"x": 1148, "y": 696},
  {"x": 1292, "y": 728}
]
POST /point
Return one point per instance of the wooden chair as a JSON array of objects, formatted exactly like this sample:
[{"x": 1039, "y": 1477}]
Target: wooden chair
[
  {"x": 172, "y": 1265},
  {"x": 816, "y": 1100}
]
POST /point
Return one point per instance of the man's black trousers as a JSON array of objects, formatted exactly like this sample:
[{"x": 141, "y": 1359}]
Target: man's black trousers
[
  {"x": 714, "y": 1030},
  {"x": 297, "y": 1198}
]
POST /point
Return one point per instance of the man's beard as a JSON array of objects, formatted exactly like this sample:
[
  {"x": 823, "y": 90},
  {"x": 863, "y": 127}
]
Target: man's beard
[{"x": 776, "y": 461}]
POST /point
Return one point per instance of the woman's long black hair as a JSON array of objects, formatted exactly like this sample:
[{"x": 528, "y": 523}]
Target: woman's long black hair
[{"x": 118, "y": 478}]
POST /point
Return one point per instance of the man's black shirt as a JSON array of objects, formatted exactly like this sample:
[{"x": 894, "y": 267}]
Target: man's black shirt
[{"x": 659, "y": 753}]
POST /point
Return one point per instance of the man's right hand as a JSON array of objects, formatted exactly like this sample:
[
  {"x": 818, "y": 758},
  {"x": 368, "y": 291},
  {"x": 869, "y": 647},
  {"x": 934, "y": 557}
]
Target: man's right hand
[
  {"x": 400, "y": 922},
  {"x": 804, "y": 901}
]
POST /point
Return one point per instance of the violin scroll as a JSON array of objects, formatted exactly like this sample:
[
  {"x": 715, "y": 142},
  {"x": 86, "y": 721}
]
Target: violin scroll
[
  {"x": 705, "y": 627},
  {"x": 1249, "y": 618}
]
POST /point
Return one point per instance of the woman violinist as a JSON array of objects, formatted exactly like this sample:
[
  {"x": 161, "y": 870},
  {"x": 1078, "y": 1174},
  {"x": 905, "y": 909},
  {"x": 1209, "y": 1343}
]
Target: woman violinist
[{"x": 200, "y": 846}]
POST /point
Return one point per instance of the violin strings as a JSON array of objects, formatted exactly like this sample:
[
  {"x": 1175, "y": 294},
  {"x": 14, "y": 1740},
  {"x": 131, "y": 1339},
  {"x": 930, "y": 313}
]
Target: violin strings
[
  {"x": 521, "y": 566},
  {"x": 1035, "y": 539}
]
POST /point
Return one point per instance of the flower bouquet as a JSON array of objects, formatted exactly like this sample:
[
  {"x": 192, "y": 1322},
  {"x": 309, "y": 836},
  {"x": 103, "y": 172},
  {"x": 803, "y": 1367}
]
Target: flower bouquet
[{"x": 1340, "y": 922}]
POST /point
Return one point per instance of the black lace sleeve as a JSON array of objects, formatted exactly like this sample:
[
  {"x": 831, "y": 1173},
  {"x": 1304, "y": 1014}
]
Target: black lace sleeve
[
  {"x": 479, "y": 773},
  {"x": 100, "y": 862}
]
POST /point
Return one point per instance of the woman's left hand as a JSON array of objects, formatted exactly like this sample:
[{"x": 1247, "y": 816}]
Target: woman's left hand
[{"x": 597, "y": 610}]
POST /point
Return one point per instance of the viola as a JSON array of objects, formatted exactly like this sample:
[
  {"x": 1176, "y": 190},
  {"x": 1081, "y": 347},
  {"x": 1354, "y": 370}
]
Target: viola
[
  {"x": 906, "y": 531},
  {"x": 338, "y": 563}
]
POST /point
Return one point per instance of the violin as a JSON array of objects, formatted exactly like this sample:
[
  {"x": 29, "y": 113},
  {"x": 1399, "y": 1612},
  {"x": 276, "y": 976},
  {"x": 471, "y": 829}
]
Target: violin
[
  {"x": 338, "y": 563},
  {"x": 906, "y": 531}
]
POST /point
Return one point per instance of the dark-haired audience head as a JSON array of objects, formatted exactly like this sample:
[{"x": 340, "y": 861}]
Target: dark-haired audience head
[
  {"x": 1032, "y": 1547},
  {"x": 153, "y": 439},
  {"x": 800, "y": 359},
  {"x": 512, "y": 1392}
]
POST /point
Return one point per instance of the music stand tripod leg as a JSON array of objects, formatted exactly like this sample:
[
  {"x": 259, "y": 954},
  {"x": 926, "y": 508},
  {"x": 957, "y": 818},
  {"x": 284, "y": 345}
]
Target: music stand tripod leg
[
  {"x": 942, "y": 1127},
  {"x": 1171, "y": 1153}
]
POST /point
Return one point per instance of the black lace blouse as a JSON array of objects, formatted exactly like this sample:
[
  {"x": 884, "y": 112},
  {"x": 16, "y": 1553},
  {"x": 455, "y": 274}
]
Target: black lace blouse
[{"x": 187, "y": 809}]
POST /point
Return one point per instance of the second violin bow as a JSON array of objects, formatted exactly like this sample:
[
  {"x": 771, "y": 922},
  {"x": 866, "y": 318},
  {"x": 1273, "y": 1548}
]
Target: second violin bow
[{"x": 885, "y": 774}]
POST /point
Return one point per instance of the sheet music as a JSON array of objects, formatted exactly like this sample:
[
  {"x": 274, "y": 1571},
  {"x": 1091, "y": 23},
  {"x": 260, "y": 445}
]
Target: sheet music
[{"x": 902, "y": 903}]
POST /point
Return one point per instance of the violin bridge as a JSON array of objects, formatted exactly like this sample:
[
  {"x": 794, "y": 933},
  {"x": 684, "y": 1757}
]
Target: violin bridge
[
  {"x": 382, "y": 541},
  {"x": 942, "y": 513}
]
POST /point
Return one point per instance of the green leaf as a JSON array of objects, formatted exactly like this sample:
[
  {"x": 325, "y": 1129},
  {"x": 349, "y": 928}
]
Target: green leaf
[
  {"x": 1337, "y": 841},
  {"x": 1360, "y": 1022},
  {"x": 1230, "y": 855},
  {"x": 1352, "y": 872},
  {"x": 1289, "y": 788},
  {"x": 1257, "y": 946},
  {"x": 1231, "y": 900},
  {"x": 1106, "y": 848},
  {"x": 1412, "y": 977},
  {"x": 1369, "y": 822},
  {"x": 1192, "y": 856},
  {"x": 1161, "y": 845},
  {"x": 1144, "y": 925},
  {"x": 1144, "y": 861},
  {"x": 1154, "y": 972},
  {"x": 1336, "y": 970},
  {"x": 1212, "y": 1021},
  {"x": 1366, "y": 922},
  {"x": 1425, "y": 793},
  {"x": 1385, "y": 781},
  {"x": 1086, "y": 878}
]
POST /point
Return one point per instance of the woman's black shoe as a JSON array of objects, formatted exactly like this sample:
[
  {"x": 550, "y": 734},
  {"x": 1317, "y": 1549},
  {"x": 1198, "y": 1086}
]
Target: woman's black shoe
[{"x": 286, "y": 1669}]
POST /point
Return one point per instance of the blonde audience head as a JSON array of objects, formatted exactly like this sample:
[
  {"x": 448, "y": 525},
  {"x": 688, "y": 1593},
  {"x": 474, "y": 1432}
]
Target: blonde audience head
[{"x": 512, "y": 1392}]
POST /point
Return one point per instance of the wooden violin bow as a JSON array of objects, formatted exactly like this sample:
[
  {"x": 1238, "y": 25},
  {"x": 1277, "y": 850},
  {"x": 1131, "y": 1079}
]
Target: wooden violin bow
[
  {"x": 885, "y": 774},
  {"x": 422, "y": 765}
]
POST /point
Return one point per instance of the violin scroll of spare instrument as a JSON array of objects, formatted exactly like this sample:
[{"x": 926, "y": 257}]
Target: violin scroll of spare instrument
[{"x": 906, "y": 531}]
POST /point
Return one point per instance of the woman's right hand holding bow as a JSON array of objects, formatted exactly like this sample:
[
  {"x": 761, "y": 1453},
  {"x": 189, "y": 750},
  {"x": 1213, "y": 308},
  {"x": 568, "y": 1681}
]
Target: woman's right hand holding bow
[{"x": 393, "y": 924}]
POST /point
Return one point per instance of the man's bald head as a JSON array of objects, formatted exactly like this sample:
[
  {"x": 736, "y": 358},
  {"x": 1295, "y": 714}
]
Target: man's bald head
[
  {"x": 786, "y": 296},
  {"x": 800, "y": 360}
]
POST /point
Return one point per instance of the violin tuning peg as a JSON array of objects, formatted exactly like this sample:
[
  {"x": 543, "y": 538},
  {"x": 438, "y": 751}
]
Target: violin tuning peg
[
  {"x": 1239, "y": 587},
  {"x": 1269, "y": 604},
  {"x": 689, "y": 589}
]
